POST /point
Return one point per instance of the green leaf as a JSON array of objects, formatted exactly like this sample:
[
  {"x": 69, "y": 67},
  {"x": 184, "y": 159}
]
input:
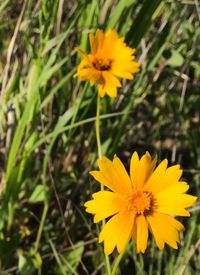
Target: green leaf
[
  {"x": 73, "y": 257},
  {"x": 37, "y": 261},
  {"x": 39, "y": 194},
  {"x": 88, "y": 18},
  {"x": 118, "y": 11},
  {"x": 176, "y": 59},
  {"x": 26, "y": 117},
  {"x": 70, "y": 260},
  {"x": 142, "y": 22}
]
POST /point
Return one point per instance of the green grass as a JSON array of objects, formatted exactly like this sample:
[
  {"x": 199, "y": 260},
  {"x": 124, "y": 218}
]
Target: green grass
[{"x": 47, "y": 128}]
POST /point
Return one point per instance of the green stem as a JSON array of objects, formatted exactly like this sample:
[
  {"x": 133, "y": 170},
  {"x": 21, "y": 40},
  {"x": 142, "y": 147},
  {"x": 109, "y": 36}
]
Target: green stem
[
  {"x": 116, "y": 264},
  {"x": 97, "y": 123},
  {"x": 97, "y": 126},
  {"x": 39, "y": 234}
]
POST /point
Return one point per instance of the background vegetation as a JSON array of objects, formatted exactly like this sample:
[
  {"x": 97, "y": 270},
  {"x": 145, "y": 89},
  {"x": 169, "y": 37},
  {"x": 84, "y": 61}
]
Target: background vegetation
[{"x": 47, "y": 137}]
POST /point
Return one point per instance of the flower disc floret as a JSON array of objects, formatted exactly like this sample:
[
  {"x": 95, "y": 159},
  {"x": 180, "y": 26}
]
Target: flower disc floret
[
  {"x": 141, "y": 202},
  {"x": 102, "y": 65}
]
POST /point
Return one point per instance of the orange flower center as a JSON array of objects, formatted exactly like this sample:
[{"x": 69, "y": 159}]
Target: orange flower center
[
  {"x": 102, "y": 65},
  {"x": 141, "y": 202}
]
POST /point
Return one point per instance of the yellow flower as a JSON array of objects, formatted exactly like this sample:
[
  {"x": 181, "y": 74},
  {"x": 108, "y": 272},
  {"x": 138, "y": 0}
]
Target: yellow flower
[
  {"x": 145, "y": 201},
  {"x": 110, "y": 58}
]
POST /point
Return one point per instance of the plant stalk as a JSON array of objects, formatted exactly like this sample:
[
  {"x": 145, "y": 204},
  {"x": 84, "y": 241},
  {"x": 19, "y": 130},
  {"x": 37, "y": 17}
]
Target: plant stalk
[{"x": 98, "y": 138}]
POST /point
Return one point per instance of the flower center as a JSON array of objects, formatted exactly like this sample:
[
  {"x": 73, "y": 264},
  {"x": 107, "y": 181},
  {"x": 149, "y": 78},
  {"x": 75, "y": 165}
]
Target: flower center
[
  {"x": 102, "y": 65},
  {"x": 141, "y": 202}
]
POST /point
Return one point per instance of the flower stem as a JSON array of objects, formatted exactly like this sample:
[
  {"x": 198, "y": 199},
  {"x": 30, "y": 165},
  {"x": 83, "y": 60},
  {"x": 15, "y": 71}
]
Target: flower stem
[
  {"x": 98, "y": 138},
  {"x": 97, "y": 123},
  {"x": 116, "y": 264},
  {"x": 39, "y": 234}
]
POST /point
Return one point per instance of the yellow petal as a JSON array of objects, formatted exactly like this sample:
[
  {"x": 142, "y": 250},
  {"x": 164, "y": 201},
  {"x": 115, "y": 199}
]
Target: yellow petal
[
  {"x": 125, "y": 234},
  {"x": 104, "y": 205},
  {"x": 176, "y": 224},
  {"x": 134, "y": 168},
  {"x": 93, "y": 43},
  {"x": 164, "y": 229},
  {"x": 122, "y": 174},
  {"x": 113, "y": 230},
  {"x": 121, "y": 73},
  {"x": 172, "y": 201},
  {"x": 112, "y": 34},
  {"x": 177, "y": 187},
  {"x": 110, "y": 40},
  {"x": 145, "y": 168},
  {"x": 154, "y": 178},
  {"x": 105, "y": 180},
  {"x": 84, "y": 64},
  {"x": 126, "y": 71},
  {"x": 90, "y": 74},
  {"x": 134, "y": 232},
  {"x": 100, "y": 38},
  {"x": 87, "y": 58},
  {"x": 101, "y": 90},
  {"x": 110, "y": 84},
  {"x": 111, "y": 79},
  {"x": 80, "y": 51},
  {"x": 142, "y": 233},
  {"x": 111, "y": 174},
  {"x": 165, "y": 179},
  {"x": 111, "y": 91}
]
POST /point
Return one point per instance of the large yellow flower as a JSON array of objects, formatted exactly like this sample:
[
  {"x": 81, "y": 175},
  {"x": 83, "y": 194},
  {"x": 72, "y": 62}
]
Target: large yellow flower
[
  {"x": 147, "y": 200},
  {"x": 110, "y": 58}
]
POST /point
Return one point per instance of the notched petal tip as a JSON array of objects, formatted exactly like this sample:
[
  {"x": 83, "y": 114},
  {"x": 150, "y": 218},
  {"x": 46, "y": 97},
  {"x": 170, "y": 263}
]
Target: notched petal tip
[
  {"x": 191, "y": 200},
  {"x": 148, "y": 155},
  {"x": 91, "y": 36},
  {"x": 161, "y": 246},
  {"x": 102, "y": 95},
  {"x": 186, "y": 214},
  {"x": 100, "y": 239},
  {"x": 155, "y": 158},
  {"x": 96, "y": 219},
  {"x": 195, "y": 198},
  {"x": 140, "y": 251},
  {"x": 103, "y": 158},
  {"x": 175, "y": 246},
  {"x": 108, "y": 252},
  {"x": 87, "y": 203},
  {"x": 93, "y": 172},
  {"x": 112, "y": 31}
]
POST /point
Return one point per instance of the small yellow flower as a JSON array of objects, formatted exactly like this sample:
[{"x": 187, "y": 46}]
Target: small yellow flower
[
  {"x": 145, "y": 201},
  {"x": 110, "y": 58}
]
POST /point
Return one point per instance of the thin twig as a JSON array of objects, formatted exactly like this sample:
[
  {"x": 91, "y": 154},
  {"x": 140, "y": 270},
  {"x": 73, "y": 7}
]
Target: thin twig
[
  {"x": 59, "y": 16},
  {"x": 10, "y": 50}
]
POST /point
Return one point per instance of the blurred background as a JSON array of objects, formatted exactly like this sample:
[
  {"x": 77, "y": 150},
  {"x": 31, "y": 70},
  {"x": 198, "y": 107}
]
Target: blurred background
[{"x": 47, "y": 134}]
